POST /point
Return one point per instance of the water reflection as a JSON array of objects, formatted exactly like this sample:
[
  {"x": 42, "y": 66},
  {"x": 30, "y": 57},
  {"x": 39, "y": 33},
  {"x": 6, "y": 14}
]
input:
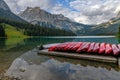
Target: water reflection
[
  {"x": 118, "y": 39},
  {"x": 49, "y": 68},
  {"x": 54, "y": 68},
  {"x": 33, "y": 41},
  {"x": 9, "y": 44},
  {"x": 12, "y": 48},
  {"x": 2, "y": 42}
]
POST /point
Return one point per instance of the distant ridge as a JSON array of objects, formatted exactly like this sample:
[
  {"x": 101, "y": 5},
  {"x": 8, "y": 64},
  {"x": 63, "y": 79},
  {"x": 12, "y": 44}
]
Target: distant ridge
[
  {"x": 108, "y": 28},
  {"x": 6, "y": 13}
]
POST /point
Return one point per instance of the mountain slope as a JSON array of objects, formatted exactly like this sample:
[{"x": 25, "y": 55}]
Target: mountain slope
[
  {"x": 6, "y": 13},
  {"x": 108, "y": 28},
  {"x": 4, "y": 6},
  {"x": 38, "y": 16}
]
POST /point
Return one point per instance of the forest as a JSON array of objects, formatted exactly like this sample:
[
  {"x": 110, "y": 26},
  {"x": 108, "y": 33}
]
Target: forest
[{"x": 33, "y": 30}]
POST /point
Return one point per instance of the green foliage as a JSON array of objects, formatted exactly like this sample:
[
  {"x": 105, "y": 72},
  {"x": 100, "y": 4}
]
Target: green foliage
[{"x": 36, "y": 30}]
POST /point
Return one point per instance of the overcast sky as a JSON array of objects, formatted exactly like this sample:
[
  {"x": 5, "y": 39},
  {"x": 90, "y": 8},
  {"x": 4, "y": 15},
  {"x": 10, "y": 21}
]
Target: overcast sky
[{"x": 83, "y": 11}]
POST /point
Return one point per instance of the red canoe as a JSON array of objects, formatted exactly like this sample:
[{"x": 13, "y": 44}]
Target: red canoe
[
  {"x": 116, "y": 50},
  {"x": 88, "y": 47},
  {"x": 72, "y": 45},
  {"x": 52, "y": 48},
  {"x": 58, "y": 47},
  {"x": 74, "y": 48},
  {"x": 108, "y": 49},
  {"x": 118, "y": 46},
  {"x": 81, "y": 47},
  {"x": 102, "y": 48},
  {"x": 67, "y": 47},
  {"x": 85, "y": 47},
  {"x": 96, "y": 47},
  {"x": 63, "y": 45},
  {"x": 91, "y": 47}
]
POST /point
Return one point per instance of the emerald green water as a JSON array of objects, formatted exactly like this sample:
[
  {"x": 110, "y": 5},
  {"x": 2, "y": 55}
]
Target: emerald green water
[{"x": 17, "y": 54}]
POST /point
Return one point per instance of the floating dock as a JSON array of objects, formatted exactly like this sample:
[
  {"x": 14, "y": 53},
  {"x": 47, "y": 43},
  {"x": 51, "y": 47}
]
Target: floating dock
[
  {"x": 80, "y": 56},
  {"x": 89, "y": 57}
]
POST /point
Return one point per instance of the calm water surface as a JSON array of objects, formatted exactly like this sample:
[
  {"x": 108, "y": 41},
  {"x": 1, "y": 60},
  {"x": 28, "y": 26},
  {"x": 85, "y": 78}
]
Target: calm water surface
[{"x": 18, "y": 57}]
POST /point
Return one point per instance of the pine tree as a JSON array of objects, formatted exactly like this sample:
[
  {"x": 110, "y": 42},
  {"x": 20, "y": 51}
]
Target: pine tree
[{"x": 2, "y": 31}]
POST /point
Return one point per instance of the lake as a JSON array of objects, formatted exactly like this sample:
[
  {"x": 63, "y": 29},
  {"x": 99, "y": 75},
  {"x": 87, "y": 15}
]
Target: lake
[{"x": 19, "y": 58}]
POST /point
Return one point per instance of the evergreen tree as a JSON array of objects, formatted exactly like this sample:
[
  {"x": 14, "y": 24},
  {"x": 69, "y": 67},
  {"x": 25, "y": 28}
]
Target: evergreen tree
[{"x": 2, "y": 31}]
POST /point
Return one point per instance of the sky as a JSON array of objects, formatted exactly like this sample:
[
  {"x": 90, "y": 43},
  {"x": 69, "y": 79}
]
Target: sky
[{"x": 82, "y": 11}]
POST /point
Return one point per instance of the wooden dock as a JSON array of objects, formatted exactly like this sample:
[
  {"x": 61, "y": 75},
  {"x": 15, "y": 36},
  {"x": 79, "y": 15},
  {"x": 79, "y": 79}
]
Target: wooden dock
[
  {"x": 89, "y": 57},
  {"x": 80, "y": 56}
]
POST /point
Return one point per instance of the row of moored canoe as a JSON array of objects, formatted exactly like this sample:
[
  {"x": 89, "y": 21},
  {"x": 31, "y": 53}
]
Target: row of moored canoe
[{"x": 79, "y": 47}]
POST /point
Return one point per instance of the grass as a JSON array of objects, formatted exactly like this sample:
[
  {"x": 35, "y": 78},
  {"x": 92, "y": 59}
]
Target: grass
[
  {"x": 14, "y": 36},
  {"x": 12, "y": 32}
]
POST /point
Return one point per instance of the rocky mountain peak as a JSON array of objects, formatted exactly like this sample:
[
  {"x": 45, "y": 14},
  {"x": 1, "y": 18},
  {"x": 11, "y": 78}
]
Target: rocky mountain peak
[
  {"x": 32, "y": 11},
  {"x": 32, "y": 8},
  {"x": 29, "y": 8},
  {"x": 4, "y": 6},
  {"x": 36, "y": 8}
]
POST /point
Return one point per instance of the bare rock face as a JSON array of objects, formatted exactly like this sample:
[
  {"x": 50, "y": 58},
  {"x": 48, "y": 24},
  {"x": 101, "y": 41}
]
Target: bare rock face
[{"x": 38, "y": 16}]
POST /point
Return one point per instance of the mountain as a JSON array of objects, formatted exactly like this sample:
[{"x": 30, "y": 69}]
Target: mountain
[
  {"x": 4, "y": 6},
  {"x": 15, "y": 26},
  {"x": 108, "y": 28},
  {"x": 41, "y": 17},
  {"x": 6, "y": 13}
]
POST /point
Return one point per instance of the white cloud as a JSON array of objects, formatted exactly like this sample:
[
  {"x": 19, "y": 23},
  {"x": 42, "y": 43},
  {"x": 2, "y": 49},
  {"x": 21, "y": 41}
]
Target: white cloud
[
  {"x": 19, "y": 5},
  {"x": 96, "y": 11},
  {"x": 59, "y": 9},
  {"x": 83, "y": 11}
]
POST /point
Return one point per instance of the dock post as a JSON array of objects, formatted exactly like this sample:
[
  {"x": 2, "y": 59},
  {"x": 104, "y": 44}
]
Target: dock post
[{"x": 118, "y": 61}]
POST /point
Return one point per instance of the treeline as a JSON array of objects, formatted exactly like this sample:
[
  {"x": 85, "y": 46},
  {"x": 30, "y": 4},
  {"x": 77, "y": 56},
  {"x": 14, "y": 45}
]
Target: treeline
[
  {"x": 2, "y": 31},
  {"x": 36, "y": 30}
]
